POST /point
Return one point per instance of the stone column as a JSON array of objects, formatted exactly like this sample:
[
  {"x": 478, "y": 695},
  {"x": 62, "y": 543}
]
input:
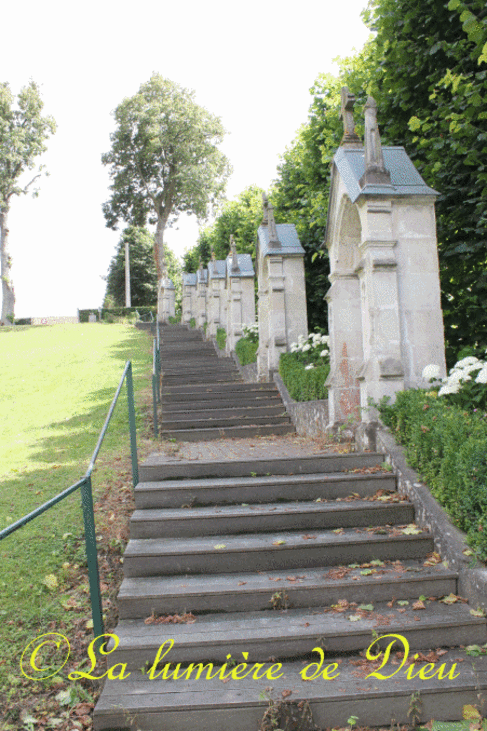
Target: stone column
[
  {"x": 188, "y": 304},
  {"x": 282, "y": 291},
  {"x": 166, "y": 300}
]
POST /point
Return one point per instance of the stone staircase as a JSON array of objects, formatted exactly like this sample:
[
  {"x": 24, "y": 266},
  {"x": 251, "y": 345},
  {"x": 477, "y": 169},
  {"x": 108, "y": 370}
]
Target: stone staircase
[
  {"x": 267, "y": 560},
  {"x": 203, "y": 396},
  {"x": 263, "y": 560}
]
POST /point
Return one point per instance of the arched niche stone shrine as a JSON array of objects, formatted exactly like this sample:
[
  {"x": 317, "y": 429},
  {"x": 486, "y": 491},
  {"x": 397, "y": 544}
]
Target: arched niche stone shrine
[
  {"x": 216, "y": 296},
  {"x": 282, "y": 291},
  {"x": 240, "y": 277},
  {"x": 188, "y": 305},
  {"x": 201, "y": 286},
  {"x": 384, "y": 309},
  {"x": 166, "y": 300}
]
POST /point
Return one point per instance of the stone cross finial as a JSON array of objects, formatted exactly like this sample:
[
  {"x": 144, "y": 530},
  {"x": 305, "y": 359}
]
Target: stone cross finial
[
  {"x": 350, "y": 137},
  {"x": 233, "y": 254},
  {"x": 265, "y": 203},
  {"x": 274, "y": 242},
  {"x": 375, "y": 169}
]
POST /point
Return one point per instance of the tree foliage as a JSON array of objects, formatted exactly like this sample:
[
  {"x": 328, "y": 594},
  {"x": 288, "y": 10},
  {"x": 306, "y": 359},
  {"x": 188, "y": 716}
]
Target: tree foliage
[
  {"x": 164, "y": 160},
  {"x": 240, "y": 217},
  {"x": 143, "y": 274},
  {"x": 23, "y": 134}
]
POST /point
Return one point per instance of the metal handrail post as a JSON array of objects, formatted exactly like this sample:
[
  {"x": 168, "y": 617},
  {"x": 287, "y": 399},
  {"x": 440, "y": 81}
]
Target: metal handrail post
[
  {"x": 132, "y": 426},
  {"x": 92, "y": 557}
]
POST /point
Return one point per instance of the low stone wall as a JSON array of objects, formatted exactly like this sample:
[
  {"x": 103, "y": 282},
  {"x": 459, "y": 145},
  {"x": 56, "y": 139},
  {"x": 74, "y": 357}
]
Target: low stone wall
[
  {"x": 309, "y": 417},
  {"x": 450, "y": 542}
]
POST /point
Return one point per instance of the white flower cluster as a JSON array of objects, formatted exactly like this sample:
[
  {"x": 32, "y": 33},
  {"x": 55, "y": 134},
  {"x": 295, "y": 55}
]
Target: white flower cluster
[
  {"x": 251, "y": 329},
  {"x": 312, "y": 342},
  {"x": 461, "y": 373}
]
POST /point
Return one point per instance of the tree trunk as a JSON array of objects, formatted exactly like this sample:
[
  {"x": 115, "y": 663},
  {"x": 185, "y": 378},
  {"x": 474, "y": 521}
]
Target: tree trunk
[
  {"x": 159, "y": 254},
  {"x": 8, "y": 296}
]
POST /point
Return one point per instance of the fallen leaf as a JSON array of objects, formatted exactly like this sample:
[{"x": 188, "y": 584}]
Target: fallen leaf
[
  {"x": 450, "y": 599},
  {"x": 286, "y": 693},
  {"x": 278, "y": 543},
  {"x": 220, "y": 545},
  {"x": 419, "y": 605}
]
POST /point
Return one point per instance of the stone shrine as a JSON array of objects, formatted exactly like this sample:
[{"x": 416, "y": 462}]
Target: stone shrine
[
  {"x": 188, "y": 305},
  {"x": 282, "y": 290},
  {"x": 201, "y": 285},
  {"x": 240, "y": 295},
  {"x": 166, "y": 299},
  {"x": 216, "y": 296},
  {"x": 384, "y": 309}
]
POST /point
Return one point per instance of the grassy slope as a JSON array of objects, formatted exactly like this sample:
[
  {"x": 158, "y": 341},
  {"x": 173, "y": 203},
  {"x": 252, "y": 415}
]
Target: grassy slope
[{"x": 57, "y": 385}]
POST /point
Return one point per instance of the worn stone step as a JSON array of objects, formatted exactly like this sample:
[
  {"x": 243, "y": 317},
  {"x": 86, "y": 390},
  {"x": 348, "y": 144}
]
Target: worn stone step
[
  {"x": 270, "y": 517},
  {"x": 229, "y": 412},
  {"x": 192, "y": 390},
  {"x": 296, "y": 632},
  {"x": 189, "y": 362},
  {"x": 213, "y": 421},
  {"x": 215, "y": 377},
  {"x": 264, "y": 552},
  {"x": 198, "y": 369},
  {"x": 303, "y": 587},
  {"x": 225, "y": 402},
  {"x": 239, "y": 704},
  {"x": 156, "y": 466},
  {"x": 233, "y": 490},
  {"x": 227, "y": 432}
]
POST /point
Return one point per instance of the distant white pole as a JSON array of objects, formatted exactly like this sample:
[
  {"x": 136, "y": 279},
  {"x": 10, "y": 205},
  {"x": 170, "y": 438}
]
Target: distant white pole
[{"x": 127, "y": 276}]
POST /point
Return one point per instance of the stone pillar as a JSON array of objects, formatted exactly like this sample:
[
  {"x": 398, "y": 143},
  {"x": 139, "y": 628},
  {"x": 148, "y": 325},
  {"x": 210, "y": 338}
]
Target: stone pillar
[
  {"x": 282, "y": 291},
  {"x": 240, "y": 295},
  {"x": 188, "y": 305},
  {"x": 166, "y": 300},
  {"x": 201, "y": 286},
  {"x": 216, "y": 297}
]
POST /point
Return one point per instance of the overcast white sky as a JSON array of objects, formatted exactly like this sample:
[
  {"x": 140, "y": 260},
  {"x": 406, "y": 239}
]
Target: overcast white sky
[{"x": 251, "y": 63}]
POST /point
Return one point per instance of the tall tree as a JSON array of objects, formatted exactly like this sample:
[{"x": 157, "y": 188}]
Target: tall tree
[
  {"x": 143, "y": 274},
  {"x": 164, "y": 160},
  {"x": 23, "y": 133}
]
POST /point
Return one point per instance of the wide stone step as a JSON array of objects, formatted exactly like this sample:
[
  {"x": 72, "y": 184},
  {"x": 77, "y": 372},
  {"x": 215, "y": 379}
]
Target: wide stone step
[
  {"x": 191, "y": 390},
  {"x": 296, "y": 632},
  {"x": 271, "y": 517},
  {"x": 225, "y": 402},
  {"x": 227, "y": 432},
  {"x": 229, "y": 412},
  {"x": 232, "y": 490},
  {"x": 156, "y": 466},
  {"x": 304, "y": 587},
  {"x": 264, "y": 552},
  {"x": 216, "y": 377},
  {"x": 213, "y": 421},
  {"x": 239, "y": 704},
  {"x": 182, "y": 360},
  {"x": 198, "y": 368}
]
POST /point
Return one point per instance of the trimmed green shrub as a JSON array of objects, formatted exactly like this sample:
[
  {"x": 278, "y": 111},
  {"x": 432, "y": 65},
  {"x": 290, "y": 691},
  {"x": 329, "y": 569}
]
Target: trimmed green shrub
[
  {"x": 448, "y": 446},
  {"x": 192, "y": 322},
  {"x": 109, "y": 314},
  {"x": 303, "y": 384},
  {"x": 221, "y": 337},
  {"x": 246, "y": 350}
]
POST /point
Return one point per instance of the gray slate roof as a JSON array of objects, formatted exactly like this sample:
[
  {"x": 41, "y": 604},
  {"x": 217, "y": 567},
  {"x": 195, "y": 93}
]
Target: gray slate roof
[
  {"x": 287, "y": 235},
  {"x": 202, "y": 275},
  {"x": 405, "y": 179},
  {"x": 189, "y": 278},
  {"x": 245, "y": 265},
  {"x": 217, "y": 269}
]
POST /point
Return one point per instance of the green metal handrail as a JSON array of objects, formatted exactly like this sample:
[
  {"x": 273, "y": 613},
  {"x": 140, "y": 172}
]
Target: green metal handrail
[{"x": 85, "y": 484}]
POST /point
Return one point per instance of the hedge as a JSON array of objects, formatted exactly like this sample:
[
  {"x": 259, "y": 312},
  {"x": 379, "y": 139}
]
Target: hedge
[
  {"x": 221, "y": 337},
  {"x": 115, "y": 312},
  {"x": 448, "y": 447},
  {"x": 302, "y": 384}
]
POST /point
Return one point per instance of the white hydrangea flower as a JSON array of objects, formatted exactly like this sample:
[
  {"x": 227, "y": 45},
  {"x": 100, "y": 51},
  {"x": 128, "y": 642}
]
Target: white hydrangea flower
[
  {"x": 466, "y": 362},
  {"x": 431, "y": 371},
  {"x": 482, "y": 375},
  {"x": 324, "y": 353},
  {"x": 325, "y": 339},
  {"x": 453, "y": 387},
  {"x": 306, "y": 347},
  {"x": 309, "y": 367}
]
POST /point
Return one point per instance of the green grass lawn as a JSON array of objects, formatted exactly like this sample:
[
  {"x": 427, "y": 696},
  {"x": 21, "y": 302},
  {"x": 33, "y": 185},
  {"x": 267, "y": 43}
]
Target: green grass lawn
[{"x": 56, "y": 387}]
